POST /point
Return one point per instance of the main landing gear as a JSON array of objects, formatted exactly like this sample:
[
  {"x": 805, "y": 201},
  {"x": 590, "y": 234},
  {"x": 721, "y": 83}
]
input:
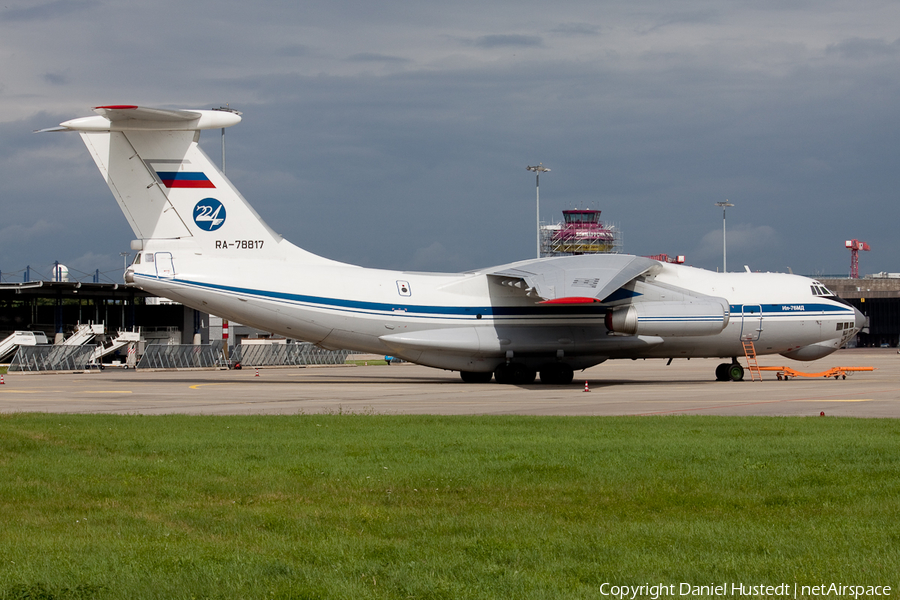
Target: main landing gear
[
  {"x": 514, "y": 373},
  {"x": 557, "y": 374},
  {"x": 474, "y": 377},
  {"x": 732, "y": 371}
]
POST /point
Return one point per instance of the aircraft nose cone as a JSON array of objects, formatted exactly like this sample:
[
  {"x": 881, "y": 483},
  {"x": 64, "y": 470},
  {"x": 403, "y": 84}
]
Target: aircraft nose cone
[{"x": 861, "y": 319}]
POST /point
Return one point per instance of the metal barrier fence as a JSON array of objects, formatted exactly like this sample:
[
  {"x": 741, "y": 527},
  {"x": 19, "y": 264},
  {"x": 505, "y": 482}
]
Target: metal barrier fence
[
  {"x": 179, "y": 356},
  {"x": 298, "y": 354},
  {"x": 52, "y": 357},
  {"x": 182, "y": 356}
]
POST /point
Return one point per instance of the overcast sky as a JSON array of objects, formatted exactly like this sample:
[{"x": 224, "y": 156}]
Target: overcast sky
[{"x": 396, "y": 133}]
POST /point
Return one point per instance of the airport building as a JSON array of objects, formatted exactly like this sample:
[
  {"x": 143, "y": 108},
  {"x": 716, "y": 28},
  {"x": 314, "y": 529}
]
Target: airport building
[{"x": 878, "y": 297}]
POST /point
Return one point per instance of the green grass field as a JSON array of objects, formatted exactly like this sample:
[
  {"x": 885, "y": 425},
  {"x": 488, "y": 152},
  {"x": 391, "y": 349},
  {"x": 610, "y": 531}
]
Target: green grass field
[{"x": 371, "y": 506}]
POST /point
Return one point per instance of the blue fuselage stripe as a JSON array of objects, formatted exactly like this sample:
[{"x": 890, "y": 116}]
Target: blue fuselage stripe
[
  {"x": 594, "y": 311},
  {"x": 411, "y": 310}
]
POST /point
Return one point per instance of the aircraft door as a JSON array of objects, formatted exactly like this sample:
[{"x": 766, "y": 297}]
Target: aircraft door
[
  {"x": 751, "y": 322},
  {"x": 164, "y": 265}
]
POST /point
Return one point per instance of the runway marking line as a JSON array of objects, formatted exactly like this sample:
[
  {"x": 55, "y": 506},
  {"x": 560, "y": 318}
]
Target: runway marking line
[
  {"x": 197, "y": 386},
  {"x": 848, "y": 400}
]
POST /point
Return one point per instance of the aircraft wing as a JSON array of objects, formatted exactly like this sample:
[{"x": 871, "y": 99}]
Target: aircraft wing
[{"x": 574, "y": 279}]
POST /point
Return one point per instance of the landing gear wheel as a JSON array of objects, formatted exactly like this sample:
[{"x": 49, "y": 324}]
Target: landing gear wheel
[
  {"x": 722, "y": 372},
  {"x": 476, "y": 377},
  {"x": 735, "y": 372},
  {"x": 557, "y": 374},
  {"x": 514, "y": 374}
]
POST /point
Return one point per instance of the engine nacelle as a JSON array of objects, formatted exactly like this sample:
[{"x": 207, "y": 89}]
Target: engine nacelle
[{"x": 670, "y": 319}]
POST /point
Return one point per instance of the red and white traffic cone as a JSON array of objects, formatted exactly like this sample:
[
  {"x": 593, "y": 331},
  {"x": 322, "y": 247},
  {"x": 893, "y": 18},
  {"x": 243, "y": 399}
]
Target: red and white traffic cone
[
  {"x": 1, "y": 380},
  {"x": 257, "y": 372},
  {"x": 586, "y": 388}
]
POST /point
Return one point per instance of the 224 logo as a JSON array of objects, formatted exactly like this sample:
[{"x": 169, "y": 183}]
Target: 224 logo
[{"x": 209, "y": 214}]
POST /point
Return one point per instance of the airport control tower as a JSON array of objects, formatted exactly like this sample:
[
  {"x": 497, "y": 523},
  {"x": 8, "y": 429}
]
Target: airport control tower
[{"x": 581, "y": 232}]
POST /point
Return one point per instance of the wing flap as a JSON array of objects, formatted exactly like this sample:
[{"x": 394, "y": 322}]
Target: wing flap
[{"x": 562, "y": 279}]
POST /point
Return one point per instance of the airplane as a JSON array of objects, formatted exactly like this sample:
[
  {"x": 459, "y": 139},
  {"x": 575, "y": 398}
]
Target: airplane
[{"x": 199, "y": 242}]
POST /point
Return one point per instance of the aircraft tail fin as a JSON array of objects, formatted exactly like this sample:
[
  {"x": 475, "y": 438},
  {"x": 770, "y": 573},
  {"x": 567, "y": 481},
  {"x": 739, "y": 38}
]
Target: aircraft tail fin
[{"x": 166, "y": 186}]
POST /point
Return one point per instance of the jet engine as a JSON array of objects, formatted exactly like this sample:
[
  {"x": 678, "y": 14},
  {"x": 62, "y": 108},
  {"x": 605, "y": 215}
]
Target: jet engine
[{"x": 670, "y": 319}]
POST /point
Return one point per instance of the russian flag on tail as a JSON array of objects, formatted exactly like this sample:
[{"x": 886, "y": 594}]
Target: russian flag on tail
[{"x": 184, "y": 179}]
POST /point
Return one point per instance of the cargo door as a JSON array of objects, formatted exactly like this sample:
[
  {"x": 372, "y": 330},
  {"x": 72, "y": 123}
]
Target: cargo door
[
  {"x": 164, "y": 265},
  {"x": 751, "y": 322}
]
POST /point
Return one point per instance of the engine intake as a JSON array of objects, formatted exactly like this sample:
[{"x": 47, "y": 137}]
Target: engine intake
[{"x": 670, "y": 319}]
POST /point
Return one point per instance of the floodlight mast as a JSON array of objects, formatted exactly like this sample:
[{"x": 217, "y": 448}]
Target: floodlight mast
[
  {"x": 225, "y": 108},
  {"x": 540, "y": 168},
  {"x": 724, "y": 206}
]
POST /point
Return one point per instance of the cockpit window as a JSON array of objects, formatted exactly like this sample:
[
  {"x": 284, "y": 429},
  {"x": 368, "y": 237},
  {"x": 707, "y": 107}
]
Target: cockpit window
[{"x": 820, "y": 290}]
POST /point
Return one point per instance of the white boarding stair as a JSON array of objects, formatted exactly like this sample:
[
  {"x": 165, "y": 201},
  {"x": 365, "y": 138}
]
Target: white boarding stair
[
  {"x": 21, "y": 338},
  {"x": 84, "y": 333},
  {"x": 9, "y": 344},
  {"x": 122, "y": 339}
]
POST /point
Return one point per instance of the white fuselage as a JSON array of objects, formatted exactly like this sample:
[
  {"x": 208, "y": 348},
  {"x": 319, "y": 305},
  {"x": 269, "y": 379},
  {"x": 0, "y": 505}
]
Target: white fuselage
[{"x": 478, "y": 323}]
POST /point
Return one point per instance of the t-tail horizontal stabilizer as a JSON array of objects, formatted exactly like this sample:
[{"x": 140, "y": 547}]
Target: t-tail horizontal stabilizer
[
  {"x": 170, "y": 190},
  {"x": 136, "y": 118}
]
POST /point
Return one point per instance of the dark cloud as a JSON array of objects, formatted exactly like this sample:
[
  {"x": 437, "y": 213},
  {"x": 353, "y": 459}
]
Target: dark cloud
[
  {"x": 576, "y": 29},
  {"x": 386, "y": 161},
  {"x": 376, "y": 58},
  {"x": 508, "y": 40},
  {"x": 684, "y": 17},
  {"x": 48, "y": 10},
  {"x": 296, "y": 50},
  {"x": 860, "y": 49},
  {"x": 55, "y": 78}
]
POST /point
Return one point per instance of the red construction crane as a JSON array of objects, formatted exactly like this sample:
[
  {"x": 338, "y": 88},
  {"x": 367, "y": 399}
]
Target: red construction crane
[{"x": 855, "y": 246}]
